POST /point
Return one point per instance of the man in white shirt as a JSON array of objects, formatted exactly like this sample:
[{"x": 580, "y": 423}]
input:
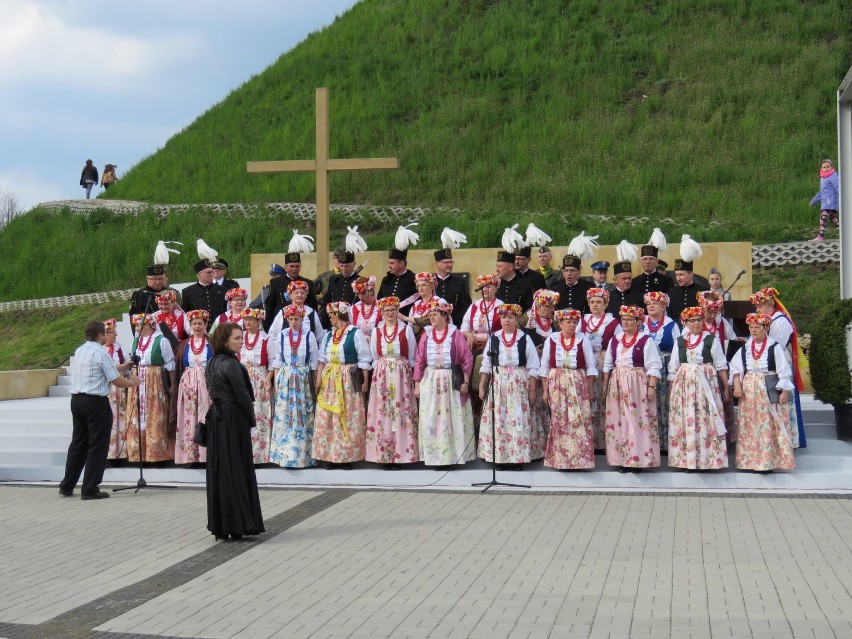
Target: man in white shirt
[{"x": 92, "y": 371}]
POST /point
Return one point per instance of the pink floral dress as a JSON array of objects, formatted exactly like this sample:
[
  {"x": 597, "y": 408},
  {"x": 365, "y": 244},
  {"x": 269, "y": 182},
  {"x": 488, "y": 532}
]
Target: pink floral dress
[
  {"x": 599, "y": 330},
  {"x": 118, "y": 404},
  {"x": 193, "y": 401},
  {"x": 255, "y": 357}
]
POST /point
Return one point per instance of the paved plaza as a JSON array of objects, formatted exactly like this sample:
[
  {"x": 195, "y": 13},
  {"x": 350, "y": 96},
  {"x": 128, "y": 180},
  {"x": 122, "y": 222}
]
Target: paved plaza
[{"x": 349, "y": 563}]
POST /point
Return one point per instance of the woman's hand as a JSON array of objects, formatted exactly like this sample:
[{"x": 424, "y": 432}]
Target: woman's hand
[
  {"x": 783, "y": 397},
  {"x": 652, "y": 393},
  {"x": 533, "y": 391},
  {"x": 738, "y": 390},
  {"x": 417, "y": 389}
]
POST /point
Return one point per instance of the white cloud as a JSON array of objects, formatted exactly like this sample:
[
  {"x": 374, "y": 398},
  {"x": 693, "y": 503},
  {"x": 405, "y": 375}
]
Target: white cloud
[{"x": 37, "y": 44}]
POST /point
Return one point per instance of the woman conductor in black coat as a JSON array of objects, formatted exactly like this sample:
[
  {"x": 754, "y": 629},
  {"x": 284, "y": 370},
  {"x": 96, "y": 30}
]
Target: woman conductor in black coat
[{"x": 233, "y": 503}]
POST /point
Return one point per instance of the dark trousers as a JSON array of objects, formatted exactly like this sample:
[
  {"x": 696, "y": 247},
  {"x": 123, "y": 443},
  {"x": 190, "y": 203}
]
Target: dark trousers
[{"x": 92, "y": 417}]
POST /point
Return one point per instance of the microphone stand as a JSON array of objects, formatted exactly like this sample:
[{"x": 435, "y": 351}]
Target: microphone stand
[
  {"x": 141, "y": 483},
  {"x": 489, "y": 390},
  {"x": 736, "y": 279}
]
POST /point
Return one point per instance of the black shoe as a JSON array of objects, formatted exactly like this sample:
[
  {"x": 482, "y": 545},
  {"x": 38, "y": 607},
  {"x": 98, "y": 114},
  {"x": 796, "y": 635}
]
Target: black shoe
[
  {"x": 98, "y": 495},
  {"x": 345, "y": 466},
  {"x": 221, "y": 537},
  {"x": 66, "y": 493},
  {"x": 236, "y": 537}
]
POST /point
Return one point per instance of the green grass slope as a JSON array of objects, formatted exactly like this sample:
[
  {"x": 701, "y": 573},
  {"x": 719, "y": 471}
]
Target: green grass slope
[{"x": 693, "y": 109}]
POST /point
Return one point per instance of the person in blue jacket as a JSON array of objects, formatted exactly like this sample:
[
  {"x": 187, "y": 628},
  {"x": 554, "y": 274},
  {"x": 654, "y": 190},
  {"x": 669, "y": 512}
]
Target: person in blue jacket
[{"x": 828, "y": 198}]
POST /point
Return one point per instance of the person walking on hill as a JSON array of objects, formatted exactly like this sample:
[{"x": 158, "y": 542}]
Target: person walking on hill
[
  {"x": 828, "y": 198},
  {"x": 89, "y": 177},
  {"x": 92, "y": 372},
  {"x": 108, "y": 178}
]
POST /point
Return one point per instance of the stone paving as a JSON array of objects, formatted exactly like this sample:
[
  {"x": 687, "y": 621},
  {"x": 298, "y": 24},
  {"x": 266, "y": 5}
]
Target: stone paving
[{"x": 350, "y": 563}]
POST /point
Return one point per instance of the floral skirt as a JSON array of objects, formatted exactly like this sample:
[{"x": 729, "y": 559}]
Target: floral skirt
[
  {"x": 632, "y": 438},
  {"x": 763, "y": 440},
  {"x": 340, "y": 419},
  {"x": 693, "y": 438},
  {"x": 392, "y": 414},
  {"x": 192, "y": 404},
  {"x": 293, "y": 423},
  {"x": 663, "y": 404},
  {"x": 152, "y": 415},
  {"x": 512, "y": 417},
  {"x": 597, "y": 401},
  {"x": 118, "y": 404},
  {"x": 446, "y": 423},
  {"x": 540, "y": 414},
  {"x": 262, "y": 414},
  {"x": 570, "y": 443}
]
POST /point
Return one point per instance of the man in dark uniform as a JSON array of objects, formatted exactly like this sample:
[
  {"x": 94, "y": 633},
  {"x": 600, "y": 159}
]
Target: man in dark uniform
[
  {"x": 551, "y": 275},
  {"x": 650, "y": 279},
  {"x": 278, "y": 297},
  {"x": 453, "y": 288},
  {"x": 512, "y": 289},
  {"x": 522, "y": 268},
  {"x": 399, "y": 282},
  {"x": 205, "y": 294},
  {"x": 143, "y": 300},
  {"x": 685, "y": 291},
  {"x": 275, "y": 270},
  {"x": 220, "y": 272},
  {"x": 600, "y": 275},
  {"x": 340, "y": 285},
  {"x": 572, "y": 290},
  {"x": 622, "y": 292}
]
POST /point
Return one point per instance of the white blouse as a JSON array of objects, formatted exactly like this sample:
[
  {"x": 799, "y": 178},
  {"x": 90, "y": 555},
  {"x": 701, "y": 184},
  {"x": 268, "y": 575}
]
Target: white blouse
[
  {"x": 596, "y": 337},
  {"x": 392, "y": 348},
  {"x": 439, "y": 355},
  {"x": 165, "y": 349},
  {"x": 658, "y": 335},
  {"x": 480, "y": 325},
  {"x": 567, "y": 359},
  {"x": 360, "y": 320},
  {"x": 310, "y": 322},
  {"x": 696, "y": 355},
  {"x": 761, "y": 365},
  {"x": 510, "y": 355},
  {"x": 307, "y": 352},
  {"x": 365, "y": 358},
  {"x": 781, "y": 330},
  {"x": 253, "y": 355},
  {"x": 624, "y": 357}
]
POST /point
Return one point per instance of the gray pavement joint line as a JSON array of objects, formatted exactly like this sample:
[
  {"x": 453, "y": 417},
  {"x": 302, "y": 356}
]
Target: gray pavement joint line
[{"x": 80, "y": 621}]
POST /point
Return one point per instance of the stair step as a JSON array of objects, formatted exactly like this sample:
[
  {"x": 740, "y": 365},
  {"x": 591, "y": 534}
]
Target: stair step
[
  {"x": 38, "y": 441},
  {"x": 63, "y": 380},
  {"x": 59, "y": 391}
]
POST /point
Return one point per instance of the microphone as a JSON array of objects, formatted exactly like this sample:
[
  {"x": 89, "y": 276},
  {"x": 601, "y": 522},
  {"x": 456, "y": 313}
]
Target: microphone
[
  {"x": 479, "y": 288},
  {"x": 742, "y": 272}
]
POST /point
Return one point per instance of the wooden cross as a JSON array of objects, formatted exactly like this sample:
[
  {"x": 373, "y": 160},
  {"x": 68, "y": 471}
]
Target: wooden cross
[{"x": 322, "y": 165}]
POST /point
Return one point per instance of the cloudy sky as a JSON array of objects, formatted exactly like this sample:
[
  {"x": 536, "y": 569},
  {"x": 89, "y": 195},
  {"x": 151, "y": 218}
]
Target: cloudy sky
[{"x": 113, "y": 81}]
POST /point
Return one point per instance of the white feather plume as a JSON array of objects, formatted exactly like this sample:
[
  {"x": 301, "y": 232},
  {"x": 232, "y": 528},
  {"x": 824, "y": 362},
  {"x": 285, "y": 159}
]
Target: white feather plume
[
  {"x": 626, "y": 252},
  {"x": 512, "y": 241},
  {"x": 405, "y": 236},
  {"x": 537, "y": 237},
  {"x": 658, "y": 240},
  {"x": 300, "y": 243},
  {"x": 161, "y": 253},
  {"x": 690, "y": 250},
  {"x": 583, "y": 246},
  {"x": 451, "y": 239},
  {"x": 354, "y": 242},
  {"x": 205, "y": 252}
]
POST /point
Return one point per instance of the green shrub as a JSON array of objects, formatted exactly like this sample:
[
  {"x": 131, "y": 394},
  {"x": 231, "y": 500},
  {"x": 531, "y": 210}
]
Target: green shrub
[{"x": 830, "y": 373}]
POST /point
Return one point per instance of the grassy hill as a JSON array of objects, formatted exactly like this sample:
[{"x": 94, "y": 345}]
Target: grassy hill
[
  {"x": 706, "y": 117},
  {"x": 703, "y": 110}
]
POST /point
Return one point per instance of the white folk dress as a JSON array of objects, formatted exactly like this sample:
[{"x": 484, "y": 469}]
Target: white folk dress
[
  {"x": 255, "y": 357},
  {"x": 599, "y": 330}
]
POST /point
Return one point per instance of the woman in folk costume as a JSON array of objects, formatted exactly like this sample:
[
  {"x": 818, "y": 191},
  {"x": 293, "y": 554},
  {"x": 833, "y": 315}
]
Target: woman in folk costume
[
  {"x": 364, "y": 313},
  {"x": 170, "y": 316},
  {"x": 507, "y": 399},
  {"x": 696, "y": 418},
  {"x": 117, "y": 396},
  {"x": 599, "y": 327},
  {"x": 714, "y": 324},
  {"x": 298, "y": 292},
  {"x": 763, "y": 382},
  {"x": 442, "y": 369},
  {"x": 293, "y": 359},
  {"x": 632, "y": 369},
  {"x": 482, "y": 314},
  {"x": 193, "y": 399},
  {"x": 568, "y": 371},
  {"x": 254, "y": 355},
  {"x": 539, "y": 327},
  {"x": 344, "y": 372},
  {"x": 236, "y": 299},
  {"x": 418, "y": 314},
  {"x": 148, "y": 405},
  {"x": 783, "y": 330},
  {"x": 664, "y": 331},
  {"x": 392, "y": 409}
]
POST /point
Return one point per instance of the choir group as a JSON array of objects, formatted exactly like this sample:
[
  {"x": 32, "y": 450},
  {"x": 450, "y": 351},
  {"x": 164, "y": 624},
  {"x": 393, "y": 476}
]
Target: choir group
[{"x": 545, "y": 365}]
